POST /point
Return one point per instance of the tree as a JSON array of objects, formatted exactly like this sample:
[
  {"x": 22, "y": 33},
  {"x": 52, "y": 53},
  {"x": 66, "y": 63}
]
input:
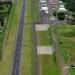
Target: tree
[{"x": 70, "y": 5}]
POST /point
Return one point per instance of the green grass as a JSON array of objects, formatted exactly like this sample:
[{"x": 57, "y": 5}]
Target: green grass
[
  {"x": 27, "y": 35},
  {"x": 31, "y": 15},
  {"x": 26, "y": 67},
  {"x": 9, "y": 40},
  {"x": 65, "y": 34},
  {"x": 36, "y": 13},
  {"x": 66, "y": 42},
  {"x": 44, "y": 38},
  {"x": 48, "y": 66},
  {"x": 26, "y": 64},
  {"x": 72, "y": 71}
]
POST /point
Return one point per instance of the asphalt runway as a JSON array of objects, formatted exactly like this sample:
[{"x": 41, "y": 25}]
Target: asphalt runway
[{"x": 18, "y": 47}]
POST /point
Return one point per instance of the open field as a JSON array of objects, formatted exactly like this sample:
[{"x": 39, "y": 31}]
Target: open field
[
  {"x": 66, "y": 43},
  {"x": 72, "y": 71},
  {"x": 36, "y": 12},
  {"x": 26, "y": 67},
  {"x": 44, "y": 38},
  {"x": 66, "y": 35},
  {"x": 26, "y": 64},
  {"x": 9, "y": 39},
  {"x": 47, "y": 65}
]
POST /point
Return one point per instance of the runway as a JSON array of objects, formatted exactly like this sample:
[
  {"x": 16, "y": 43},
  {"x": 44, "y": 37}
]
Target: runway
[{"x": 18, "y": 47}]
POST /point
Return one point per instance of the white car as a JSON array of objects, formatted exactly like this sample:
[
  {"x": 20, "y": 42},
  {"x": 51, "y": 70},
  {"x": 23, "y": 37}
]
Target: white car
[
  {"x": 45, "y": 9},
  {"x": 52, "y": 18}
]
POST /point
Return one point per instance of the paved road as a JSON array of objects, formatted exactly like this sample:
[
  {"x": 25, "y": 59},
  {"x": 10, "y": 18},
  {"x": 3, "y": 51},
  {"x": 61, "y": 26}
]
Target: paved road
[
  {"x": 44, "y": 18},
  {"x": 18, "y": 47}
]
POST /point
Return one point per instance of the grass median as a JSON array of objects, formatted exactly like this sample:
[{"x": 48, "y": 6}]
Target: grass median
[
  {"x": 48, "y": 66},
  {"x": 26, "y": 64},
  {"x": 43, "y": 38}
]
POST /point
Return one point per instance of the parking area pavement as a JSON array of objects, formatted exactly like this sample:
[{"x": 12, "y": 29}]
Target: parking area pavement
[
  {"x": 41, "y": 27},
  {"x": 44, "y": 18},
  {"x": 44, "y": 50}
]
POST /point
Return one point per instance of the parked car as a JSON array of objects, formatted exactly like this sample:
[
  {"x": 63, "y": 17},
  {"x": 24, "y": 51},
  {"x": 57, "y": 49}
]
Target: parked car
[
  {"x": 52, "y": 18},
  {"x": 43, "y": 6},
  {"x": 45, "y": 9}
]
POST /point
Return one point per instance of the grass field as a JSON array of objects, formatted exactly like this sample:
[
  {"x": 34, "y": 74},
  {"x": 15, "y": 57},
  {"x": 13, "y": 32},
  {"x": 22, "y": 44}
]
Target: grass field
[
  {"x": 72, "y": 71},
  {"x": 36, "y": 12},
  {"x": 9, "y": 39},
  {"x": 43, "y": 38},
  {"x": 31, "y": 16},
  {"x": 66, "y": 35},
  {"x": 48, "y": 66},
  {"x": 66, "y": 42},
  {"x": 26, "y": 64},
  {"x": 26, "y": 67}
]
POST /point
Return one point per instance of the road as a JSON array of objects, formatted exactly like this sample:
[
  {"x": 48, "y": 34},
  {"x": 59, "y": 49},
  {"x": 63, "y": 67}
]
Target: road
[
  {"x": 59, "y": 57},
  {"x": 44, "y": 18},
  {"x": 18, "y": 47}
]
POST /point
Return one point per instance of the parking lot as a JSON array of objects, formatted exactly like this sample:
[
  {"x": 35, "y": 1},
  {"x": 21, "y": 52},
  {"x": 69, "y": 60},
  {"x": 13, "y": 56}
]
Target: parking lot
[{"x": 44, "y": 12}]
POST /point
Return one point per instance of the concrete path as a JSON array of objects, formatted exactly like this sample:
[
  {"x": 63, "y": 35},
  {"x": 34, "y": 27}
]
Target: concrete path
[
  {"x": 44, "y": 50},
  {"x": 41, "y": 27}
]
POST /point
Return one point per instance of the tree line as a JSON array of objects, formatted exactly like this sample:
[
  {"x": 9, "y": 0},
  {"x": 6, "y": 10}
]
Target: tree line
[{"x": 70, "y": 5}]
